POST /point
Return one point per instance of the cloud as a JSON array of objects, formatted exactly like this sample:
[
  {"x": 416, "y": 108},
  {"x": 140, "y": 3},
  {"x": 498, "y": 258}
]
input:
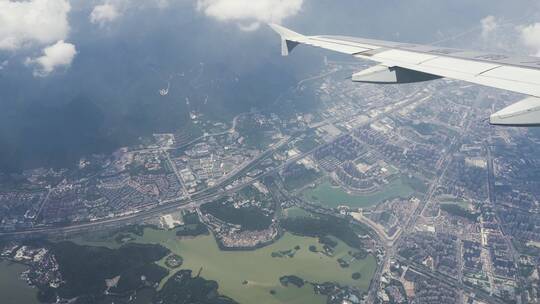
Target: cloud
[
  {"x": 60, "y": 54},
  {"x": 26, "y": 22},
  {"x": 104, "y": 13},
  {"x": 162, "y": 3},
  {"x": 250, "y": 27},
  {"x": 530, "y": 36},
  {"x": 489, "y": 24},
  {"x": 110, "y": 10},
  {"x": 250, "y": 12}
]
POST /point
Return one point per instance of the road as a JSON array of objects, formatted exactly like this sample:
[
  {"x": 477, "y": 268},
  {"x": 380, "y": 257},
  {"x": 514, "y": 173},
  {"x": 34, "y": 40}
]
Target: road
[
  {"x": 492, "y": 200},
  {"x": 175, "y": 170}
]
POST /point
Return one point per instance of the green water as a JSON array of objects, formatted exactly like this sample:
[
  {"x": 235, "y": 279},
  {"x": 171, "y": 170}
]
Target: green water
[
  {"x": 13, "y": 290},
  {"x": 262, "y": 272},
  {"x": 331, "y": 196}
]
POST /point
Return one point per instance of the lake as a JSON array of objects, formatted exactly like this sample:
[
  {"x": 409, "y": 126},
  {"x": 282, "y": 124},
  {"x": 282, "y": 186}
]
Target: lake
[
  {"x": 332, "y": 196},
  {"x": 232, "y": 269},
  {"x": 13, "y": 290}
]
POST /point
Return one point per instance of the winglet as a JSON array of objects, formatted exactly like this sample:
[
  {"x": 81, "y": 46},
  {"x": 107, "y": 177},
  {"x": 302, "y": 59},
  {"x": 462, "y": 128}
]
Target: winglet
[{"x": 289, "y": 39}]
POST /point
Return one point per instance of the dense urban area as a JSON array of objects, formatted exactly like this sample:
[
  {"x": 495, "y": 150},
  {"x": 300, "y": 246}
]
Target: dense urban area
[{"x": 411, "y": 176}]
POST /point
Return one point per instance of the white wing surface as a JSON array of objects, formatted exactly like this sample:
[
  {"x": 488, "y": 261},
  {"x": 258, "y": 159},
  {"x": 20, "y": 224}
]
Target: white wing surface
[{"x": 405, "y": 63}]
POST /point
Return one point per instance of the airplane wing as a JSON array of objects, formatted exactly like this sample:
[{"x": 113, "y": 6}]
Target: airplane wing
[{"x": 406, "y": 63}]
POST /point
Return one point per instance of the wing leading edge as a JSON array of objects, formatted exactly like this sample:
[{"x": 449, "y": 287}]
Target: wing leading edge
[{"x": 405, "y": 63}]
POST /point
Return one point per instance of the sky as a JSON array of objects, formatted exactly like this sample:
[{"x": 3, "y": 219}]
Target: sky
[
  {"x": 42, "y": 28},
  {"x": 82, "y": 76}
]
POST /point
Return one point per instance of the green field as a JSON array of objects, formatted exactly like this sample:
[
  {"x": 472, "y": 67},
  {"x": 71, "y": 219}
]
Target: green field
[
  {"x": 462, "y": 204},
  {"x": 96, "y": 240},
  {"x": 262, "y": 272},
  {"x": 331, "y": 196},
  {"x": 296, "y": 212},
  {"x": 12, "y": 289}
]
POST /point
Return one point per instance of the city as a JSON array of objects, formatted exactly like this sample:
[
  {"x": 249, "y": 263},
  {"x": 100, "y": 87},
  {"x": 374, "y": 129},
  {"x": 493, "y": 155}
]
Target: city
[{"x": 449, "y": 204}]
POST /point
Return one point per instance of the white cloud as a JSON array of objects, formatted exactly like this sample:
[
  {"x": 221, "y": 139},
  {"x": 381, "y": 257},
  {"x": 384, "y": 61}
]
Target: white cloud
[
  {"x": 110, "y": 10},
  {"x": 489, "y": 24},
  {"x": 250, "y": 27},
  {"x": 104, "y": 13},
  {"x": 60, "y": 54},
  {"x": 162, "y": 3},
  {"x": 250, "y": 12},
  {"x": 26, "y": 22},
  {"x": 530, "y": 36}
]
